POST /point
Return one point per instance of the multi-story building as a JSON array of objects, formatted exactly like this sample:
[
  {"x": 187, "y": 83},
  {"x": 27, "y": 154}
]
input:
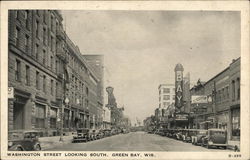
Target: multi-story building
[
  {"x": 52, "y": 81},
  {"x": 223, "y": 108},
  {"x": 166, "y": 95}
]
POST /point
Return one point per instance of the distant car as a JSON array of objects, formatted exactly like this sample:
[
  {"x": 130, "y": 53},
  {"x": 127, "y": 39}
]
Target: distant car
[
  {"x": 92, "y": 134},
  {"x": 82, "y": 135},
  {"x": 197, "y": 138},
  {"x": 187, "y": 136},
  {"x": 21, "y": 140},
  {"x": 99, "y": 134},
  {"x": 215, "y": 138},
  {"x": 107, "y": 132}
]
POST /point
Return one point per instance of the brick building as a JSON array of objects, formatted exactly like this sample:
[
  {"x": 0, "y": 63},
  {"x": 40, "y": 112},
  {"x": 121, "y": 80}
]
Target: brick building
[
  {"x": 45, "y": 68},
  {"x": 223, "y": 110}
]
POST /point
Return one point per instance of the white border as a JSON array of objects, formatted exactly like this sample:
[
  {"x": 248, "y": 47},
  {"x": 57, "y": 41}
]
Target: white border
[{"x": 242, "y": 6}]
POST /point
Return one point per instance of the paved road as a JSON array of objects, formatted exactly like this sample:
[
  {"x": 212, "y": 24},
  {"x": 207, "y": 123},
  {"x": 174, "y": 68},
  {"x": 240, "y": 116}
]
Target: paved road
[{"x": 134, "y": 141}]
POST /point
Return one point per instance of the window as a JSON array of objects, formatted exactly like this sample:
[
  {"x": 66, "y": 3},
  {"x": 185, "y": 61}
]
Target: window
[
  {"x": 52, "y": 24},
  {"x": 27, "y": 76},
  {"x": 57, "y": 64},
  {"x": 17, "y": 36},
  {"x": 51, "y": 62},
  {"x": 87, "y": 91},
  {"x": 26, "y": 13},
  {"x": 173, "y": 97},
  {"x": 26, "y": 43},
  {"x": 40, "y": 116},
  {"x": 238, "y": 88},
  {"x": 51, "y": 44},
  {"x": 16, "y": 14},
  {"x": 57, "y": 89},
  {"x": 36, "y": 51},
  {"x": 18, "y": 70},
  {"x": 159, "y": 98},
  {"x": 44, "y": 35},
  {"x": 236, "y": 122},
  {"x": 166, "y": 97},
  {"x": 173, "y": 89},
  {"x": 37, "y": 28},
  {"x": 37, "y": 80},
  {"x": 44, "y": 83},
  {"x": 44, "y": 57},
  {"x": 44, "y": 16},
  {"x": 52, "y": 87},
  {"x": 233, "y": 90},
  {"x": 222, "y": 94},
  {"x": 166, "y": 90},
  {"x": 227, "y": 92},
  {"x": 53, "y": 113}
]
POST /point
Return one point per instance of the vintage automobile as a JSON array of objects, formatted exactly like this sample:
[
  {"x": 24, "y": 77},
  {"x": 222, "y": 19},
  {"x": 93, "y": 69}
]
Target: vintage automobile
[
  {"x": 23, "y": 140},
  {"x": 178, "y": 134},
  {"x": 99, "y": 134},
  {"x": 82, "y": 135},
  {"x": 197, "y": 138},
  {"x": 215, "y": 138},
  {"x": 187, "y": 136},
  {"x": 92, "y": 135},
  {"x": 107, "y": 132}
]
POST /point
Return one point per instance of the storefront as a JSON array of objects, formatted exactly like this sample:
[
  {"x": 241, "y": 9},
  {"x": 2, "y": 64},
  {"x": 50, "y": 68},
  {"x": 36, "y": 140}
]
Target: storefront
[{"x": 235, "y": 123}]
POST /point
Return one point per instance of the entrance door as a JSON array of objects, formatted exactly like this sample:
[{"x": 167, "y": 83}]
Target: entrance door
[{"x": 18, "y": 116}]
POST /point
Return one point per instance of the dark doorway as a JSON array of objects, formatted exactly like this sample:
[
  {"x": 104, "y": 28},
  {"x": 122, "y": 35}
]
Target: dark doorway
[{"x": 18, "y": 115}]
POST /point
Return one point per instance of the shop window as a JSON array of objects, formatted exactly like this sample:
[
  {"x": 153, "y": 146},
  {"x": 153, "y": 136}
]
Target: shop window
[
  {"x": 18, "y": 70},
  {"x": 53, "y": 113},
  {"x": 236, "y": 122},
  {"x": 40, "y": 116},
  {"x": 66, "y": 119}
]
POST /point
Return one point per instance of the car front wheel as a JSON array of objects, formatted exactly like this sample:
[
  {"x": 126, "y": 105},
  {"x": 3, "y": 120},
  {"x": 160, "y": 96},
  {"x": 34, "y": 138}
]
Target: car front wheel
[{"x": 37, "y": 147}]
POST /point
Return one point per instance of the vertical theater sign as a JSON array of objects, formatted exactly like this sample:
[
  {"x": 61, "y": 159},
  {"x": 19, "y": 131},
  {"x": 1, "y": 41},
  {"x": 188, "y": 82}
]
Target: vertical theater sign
[
  {"x": 178, "y": 87},
  {"x": 181, "y": 118}
]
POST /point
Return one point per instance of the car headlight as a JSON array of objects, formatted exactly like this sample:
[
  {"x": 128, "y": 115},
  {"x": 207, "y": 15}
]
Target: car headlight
[{"x": 10, "y": 144}]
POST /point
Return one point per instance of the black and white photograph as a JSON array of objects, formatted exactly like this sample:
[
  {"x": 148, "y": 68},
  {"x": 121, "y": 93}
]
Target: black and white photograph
[{"x": 125, "y": 83}]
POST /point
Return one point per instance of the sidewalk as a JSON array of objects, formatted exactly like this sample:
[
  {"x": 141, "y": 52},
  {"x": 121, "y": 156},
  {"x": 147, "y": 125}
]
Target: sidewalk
[{"x": 51, "y": 142}]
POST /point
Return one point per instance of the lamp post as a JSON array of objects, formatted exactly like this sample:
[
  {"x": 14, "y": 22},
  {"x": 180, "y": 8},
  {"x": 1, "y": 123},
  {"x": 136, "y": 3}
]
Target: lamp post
[{"x": 66, "y": 102}]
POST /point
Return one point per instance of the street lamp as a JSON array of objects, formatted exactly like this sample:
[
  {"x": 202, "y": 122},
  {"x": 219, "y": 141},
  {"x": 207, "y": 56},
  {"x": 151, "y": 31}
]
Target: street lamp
[{"x": 66, "y": 102}]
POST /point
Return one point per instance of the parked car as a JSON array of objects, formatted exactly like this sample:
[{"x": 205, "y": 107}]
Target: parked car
[
  {"x": 107, "y": 132},
  {"x": 215, "y": 138},
  {"x": 99, "y": 134},
  {"x": 92, "y": 134},
  {"x": 187, "y": 137},
  {"x": 21, "y": 140},
  {"x": 82, "y": 135},
  {"x": 197, "y": 138},
  {"x": 178, "y": 134}
]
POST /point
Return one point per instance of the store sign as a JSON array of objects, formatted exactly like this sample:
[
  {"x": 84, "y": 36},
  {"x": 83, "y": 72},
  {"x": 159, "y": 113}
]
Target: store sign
[
  {"x": 181, "y": 117},
  {"x": 10, "y": 92},
  {"x": 199, "y": 99}
]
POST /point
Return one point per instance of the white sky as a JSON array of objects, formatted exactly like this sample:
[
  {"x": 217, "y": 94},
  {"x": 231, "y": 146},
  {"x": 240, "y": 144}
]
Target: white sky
[{"x": 141, "y": 49}]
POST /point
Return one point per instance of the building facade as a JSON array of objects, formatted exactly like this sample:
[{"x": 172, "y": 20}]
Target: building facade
[
  {"x": 53, "y": 85},
  {"x": 166, "y": 95}
]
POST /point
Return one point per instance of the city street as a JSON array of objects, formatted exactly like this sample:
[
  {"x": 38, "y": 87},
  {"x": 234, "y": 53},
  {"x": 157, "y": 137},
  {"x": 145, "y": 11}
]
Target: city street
[{"x": 134, "y": 141}]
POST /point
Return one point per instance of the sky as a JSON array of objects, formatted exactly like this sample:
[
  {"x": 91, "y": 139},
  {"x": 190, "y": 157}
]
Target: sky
[{"x": 141, "y": 49}]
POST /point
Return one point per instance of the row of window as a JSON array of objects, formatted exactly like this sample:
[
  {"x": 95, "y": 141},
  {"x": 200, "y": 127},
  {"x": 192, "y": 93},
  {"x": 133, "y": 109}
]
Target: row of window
[
  {"x": 222, "y": 94},
  {"x": 166, "y": 90},
  {"x": 167, "y": 97},
  {"x": 40, "y": 84}
]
